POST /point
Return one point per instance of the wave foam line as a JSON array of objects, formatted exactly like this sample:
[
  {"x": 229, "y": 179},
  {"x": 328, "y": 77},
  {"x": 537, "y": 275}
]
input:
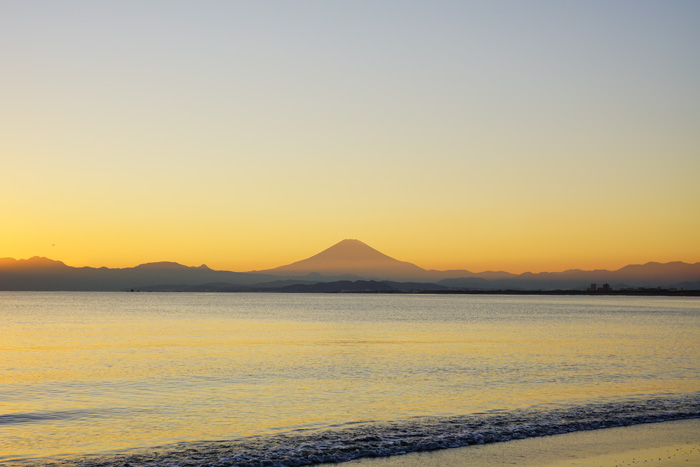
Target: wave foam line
[{"x": 394, "y": 438}]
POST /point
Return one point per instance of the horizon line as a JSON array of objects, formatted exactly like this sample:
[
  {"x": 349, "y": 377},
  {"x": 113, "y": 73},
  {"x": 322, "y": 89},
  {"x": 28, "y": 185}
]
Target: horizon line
[{"x": 262, "y": 271}]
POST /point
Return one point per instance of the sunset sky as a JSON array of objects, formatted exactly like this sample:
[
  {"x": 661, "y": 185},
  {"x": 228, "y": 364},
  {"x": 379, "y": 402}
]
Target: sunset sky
[{"x": 502, "y": 135}]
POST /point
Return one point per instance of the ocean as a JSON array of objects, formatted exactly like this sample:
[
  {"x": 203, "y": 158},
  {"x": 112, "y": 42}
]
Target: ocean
[{"x": 146, "y": 379}]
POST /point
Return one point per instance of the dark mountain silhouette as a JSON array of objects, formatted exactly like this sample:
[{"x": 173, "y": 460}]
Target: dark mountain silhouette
[
  {"x": 649, "y": 272},
  {"x": 470, "y": 283},
  {"x": 349, "y": 260},
  {"x": 463, "y": 273},
  {"x": 166, "y": 265},
  {"x": 687, "y": 285},
  {"x": 635, "y": 275},
  {"x": 32, "y": 264},
  {"x": 355, "y": 258},
  {"x": 45, "y": 274},
  {"x": 291, "y": 286},
  {"x": 360, "y": 286}
]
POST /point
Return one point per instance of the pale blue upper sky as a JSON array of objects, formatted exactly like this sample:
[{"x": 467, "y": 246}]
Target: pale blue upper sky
[{"x": 396, "y": 122}]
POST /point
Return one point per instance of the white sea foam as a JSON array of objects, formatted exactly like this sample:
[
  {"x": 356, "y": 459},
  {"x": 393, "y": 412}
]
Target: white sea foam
[{"x": 379, "y": 439}]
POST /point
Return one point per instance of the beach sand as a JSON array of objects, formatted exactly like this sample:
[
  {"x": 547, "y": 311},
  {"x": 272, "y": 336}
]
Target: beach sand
[{"x": 664, "y": 444}]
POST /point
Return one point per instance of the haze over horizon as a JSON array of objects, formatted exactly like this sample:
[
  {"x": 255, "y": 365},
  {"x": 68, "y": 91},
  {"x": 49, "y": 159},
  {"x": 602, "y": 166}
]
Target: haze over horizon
[
  {"x": 349, "y": 256},
  {"x": 538, "y": 136}
]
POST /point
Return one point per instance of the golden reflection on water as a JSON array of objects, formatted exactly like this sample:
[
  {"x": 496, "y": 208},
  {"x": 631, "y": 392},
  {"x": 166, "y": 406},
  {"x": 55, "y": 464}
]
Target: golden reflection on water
[{"x": 118, "y": 380}]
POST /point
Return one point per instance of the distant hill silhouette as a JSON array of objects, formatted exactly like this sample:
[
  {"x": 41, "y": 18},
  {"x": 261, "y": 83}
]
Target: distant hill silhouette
[
  {"x": 344, "y": 264},
  {"x": 355, "y": 258},
  {"x": 35, "y": 263},
  {"x": 44, "y": 274}
]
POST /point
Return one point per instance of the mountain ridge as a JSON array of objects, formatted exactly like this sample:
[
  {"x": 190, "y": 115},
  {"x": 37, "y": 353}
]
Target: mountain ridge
[
  {"x": 351, "y": 256},
  {"x": 348, "y": 260}
]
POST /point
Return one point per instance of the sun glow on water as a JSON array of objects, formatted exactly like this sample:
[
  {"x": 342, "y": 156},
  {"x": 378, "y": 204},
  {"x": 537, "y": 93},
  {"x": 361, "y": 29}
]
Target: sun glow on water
[{"x": 86, "y": 373}]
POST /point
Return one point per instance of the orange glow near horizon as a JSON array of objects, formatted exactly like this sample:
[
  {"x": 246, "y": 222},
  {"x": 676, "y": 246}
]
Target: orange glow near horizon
[
  {"x": 529, "y": 232},
  {"x": 516, "y": 142},
  {"x": 514, "y": 258}
]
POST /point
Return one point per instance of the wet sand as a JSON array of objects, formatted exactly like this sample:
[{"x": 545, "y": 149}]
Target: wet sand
[{"x": 650, "y": 445}]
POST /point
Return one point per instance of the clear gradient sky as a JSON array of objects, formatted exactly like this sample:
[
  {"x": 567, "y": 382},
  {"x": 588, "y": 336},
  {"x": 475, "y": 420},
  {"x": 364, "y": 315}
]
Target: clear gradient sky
[{"x": 503, "y": 135}]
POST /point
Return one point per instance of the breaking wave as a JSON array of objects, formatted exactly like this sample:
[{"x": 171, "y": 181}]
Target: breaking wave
[{"x": 380, "y": 439}]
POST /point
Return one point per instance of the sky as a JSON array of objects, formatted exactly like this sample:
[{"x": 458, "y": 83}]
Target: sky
[{"x": 499, "y": 135}]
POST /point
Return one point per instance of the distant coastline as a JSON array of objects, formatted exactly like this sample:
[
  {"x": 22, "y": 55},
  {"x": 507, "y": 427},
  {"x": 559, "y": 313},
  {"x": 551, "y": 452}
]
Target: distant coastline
[
  {"x": 350, "y": 266},
  {"x": 377, "y": 287},
  {"x": 631, "y": 293}
]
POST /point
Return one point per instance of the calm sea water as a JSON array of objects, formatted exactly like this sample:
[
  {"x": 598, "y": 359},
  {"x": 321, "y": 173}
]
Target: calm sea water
[{"x": 229, "y": 379}]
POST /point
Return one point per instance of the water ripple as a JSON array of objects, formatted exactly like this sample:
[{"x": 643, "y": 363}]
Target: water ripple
[{"x": 393, "y": 438}]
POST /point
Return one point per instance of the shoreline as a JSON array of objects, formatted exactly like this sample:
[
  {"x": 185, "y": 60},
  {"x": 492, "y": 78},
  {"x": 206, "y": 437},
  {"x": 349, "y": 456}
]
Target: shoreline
[
  {"x": 672, "y": 443},
  {"x": 564, "y": 292}
]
